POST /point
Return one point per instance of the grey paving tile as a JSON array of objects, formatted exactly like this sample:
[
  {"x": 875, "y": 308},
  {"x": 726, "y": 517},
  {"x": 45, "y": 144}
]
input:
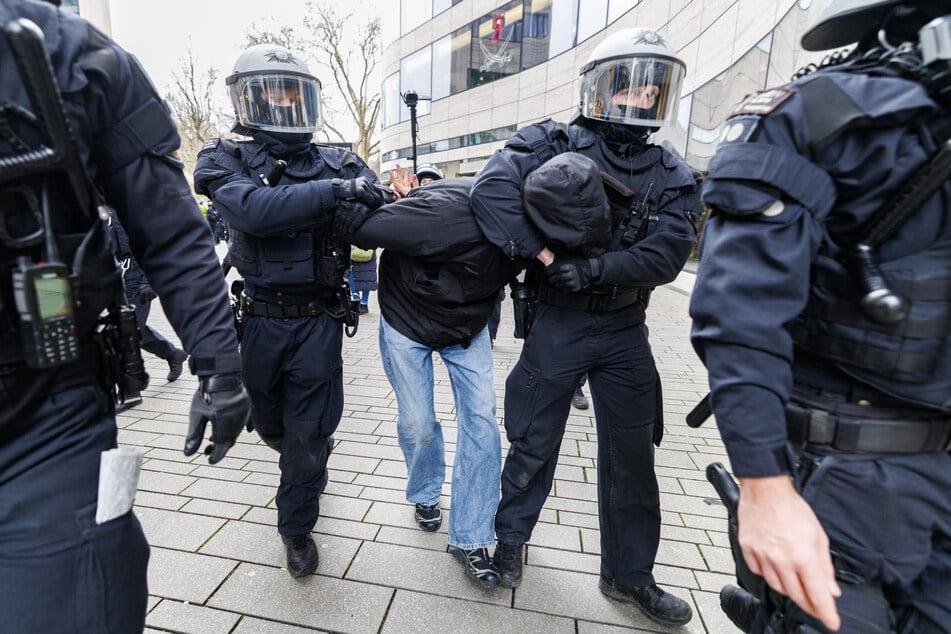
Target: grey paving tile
[
  {"x": 159, "y": 482},
  {"x": 414, "y": 537},
  {"x": 130, "y": 438},
  {"x": 159, "y": 500},
  {"x": 366, "y": 450},
  {"x": 315, "y": 601},
  {"x": 418, "y": 569},
  {"x": 171, "y": 529},
  {"x": 713, "y": 581},
  {"x": 345, "y": 528},
  {"x": 186, "y": 576},
  {"x": 220, "y": 473},
  {"x": 251, "y": 625},
  {"x": 393, "y": 496},
  {"x": 191, "y": 619},
  {"x": 261, "y": 544},
  {"x": 344, "y": 507},
  {"x": 225, "y": 510},
  {"x": 343, "y": 489},
  {"x": 264, "y": 479},
  {"x": 710, "y": 614},
  {"x": 237, "y": 492},
  {"x": 357, "y": 464},
  {"x": 416, "y": 612},
  {"x": 167, "y": 466}
]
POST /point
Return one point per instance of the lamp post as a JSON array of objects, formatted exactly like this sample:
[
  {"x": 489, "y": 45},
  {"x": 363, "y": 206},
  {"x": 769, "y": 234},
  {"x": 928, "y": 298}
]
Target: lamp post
[{"x": 410, "y": 98}]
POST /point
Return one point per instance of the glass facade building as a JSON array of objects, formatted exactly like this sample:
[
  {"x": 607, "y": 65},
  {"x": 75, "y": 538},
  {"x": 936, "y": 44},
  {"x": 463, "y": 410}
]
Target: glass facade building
[{"x": 484, "y": 69}]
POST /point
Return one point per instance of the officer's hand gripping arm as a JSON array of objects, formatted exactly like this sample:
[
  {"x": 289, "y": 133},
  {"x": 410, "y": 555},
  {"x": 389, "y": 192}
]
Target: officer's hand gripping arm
[
  {"x": 573, "y": 274},
  {"x": 222, "y": 401},
  {"x": 363, "y": 191}
]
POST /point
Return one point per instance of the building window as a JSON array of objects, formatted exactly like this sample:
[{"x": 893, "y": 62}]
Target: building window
[
  {"x": 391, "y": 100},
  {"x": 416, "y": 75},
  {"x": 442, "y": 67},
  {"x": 617, "y": 8},
  {"x": 71, "y": 5},
  {"x": 593, "y": 19},
  {"x": 494, "y": 48}
]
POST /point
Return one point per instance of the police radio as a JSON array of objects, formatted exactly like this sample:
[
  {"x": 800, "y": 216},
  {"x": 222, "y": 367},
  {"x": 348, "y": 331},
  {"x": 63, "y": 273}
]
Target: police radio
[{"x": 45, "y": 305}]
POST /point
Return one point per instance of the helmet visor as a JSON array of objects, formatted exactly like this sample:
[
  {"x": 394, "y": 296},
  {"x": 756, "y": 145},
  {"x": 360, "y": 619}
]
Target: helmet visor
[
  {"x": 277, "y": 102},
  {"x": 643, "y": 91}
]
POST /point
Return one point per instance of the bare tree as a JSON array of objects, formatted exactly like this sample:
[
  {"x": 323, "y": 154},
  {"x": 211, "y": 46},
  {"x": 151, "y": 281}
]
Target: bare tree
[
  {"x": 192, "y": 104},
  {"x": 325, "y": 39}
]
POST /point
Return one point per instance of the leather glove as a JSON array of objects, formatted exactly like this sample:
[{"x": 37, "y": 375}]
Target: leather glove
[
  {"x": 221, "y": 400},
  {"x": 349, "y": 215},
  {"x": 572, "y": 274},
  {"x": 363, "y": 191}
]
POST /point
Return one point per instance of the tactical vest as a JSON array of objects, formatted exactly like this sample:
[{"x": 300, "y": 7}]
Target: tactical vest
[
  {"x": 911, "y": 359},
  {"x": 82, "y": 240},
  {"x": 308, "y": 263}
]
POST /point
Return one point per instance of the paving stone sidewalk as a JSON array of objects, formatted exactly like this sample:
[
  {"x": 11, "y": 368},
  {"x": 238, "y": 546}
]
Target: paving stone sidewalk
[{"x": 216, "y": 563}]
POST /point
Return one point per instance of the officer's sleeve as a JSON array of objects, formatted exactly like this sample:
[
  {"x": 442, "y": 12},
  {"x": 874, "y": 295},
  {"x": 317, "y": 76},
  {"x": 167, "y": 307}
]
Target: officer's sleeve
[
  {"x": 762, "y": 233},
  {"x": 134, "y": 146},
  {"x": 250, "y": 206},
  {"x": 496, "y": 200},
  {"x": 658, "y": 257}
]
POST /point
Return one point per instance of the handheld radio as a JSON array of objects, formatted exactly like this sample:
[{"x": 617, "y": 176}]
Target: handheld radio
[{"x": 45, "y": 304}]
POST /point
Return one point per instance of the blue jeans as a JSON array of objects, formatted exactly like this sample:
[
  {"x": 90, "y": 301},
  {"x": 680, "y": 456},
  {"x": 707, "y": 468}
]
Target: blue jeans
[{"x": 477, "y": 466}]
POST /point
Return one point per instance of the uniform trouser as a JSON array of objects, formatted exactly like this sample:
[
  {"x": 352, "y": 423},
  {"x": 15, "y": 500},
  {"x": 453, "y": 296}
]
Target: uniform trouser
[
  {"x": 152, "y": 341},
  {"x": 293, "y": 372},
  {"x": 59, "y": 570},
  {"x": 477, "y": 461},
  {"x": 889, "y": 524},
  {"x": 612, "y": 348}
]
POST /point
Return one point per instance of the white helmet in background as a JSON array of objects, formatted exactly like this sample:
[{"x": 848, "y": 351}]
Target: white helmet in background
[
  {"x": 272, "y": 90},
  {"x": 633, "y": 78}
]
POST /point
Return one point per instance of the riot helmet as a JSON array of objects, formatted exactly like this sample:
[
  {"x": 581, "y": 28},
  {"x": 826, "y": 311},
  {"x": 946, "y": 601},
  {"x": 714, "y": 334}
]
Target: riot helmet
[
  {"x": 272, "y": 90},
  {"x": 632, "y": 78},
  {"x": 429, "y": 171},
  {"x": 846, "y": 22}
]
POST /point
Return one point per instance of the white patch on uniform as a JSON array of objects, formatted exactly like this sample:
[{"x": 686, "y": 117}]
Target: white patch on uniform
[
  {"x": 775, "y": 209},
  {"x": 734, "y": 132}
]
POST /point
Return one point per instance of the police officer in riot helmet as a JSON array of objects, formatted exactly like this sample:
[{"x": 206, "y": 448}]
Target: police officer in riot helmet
[
  {"x": 591, "y": 302},
  {"x": 428, "y": 173},
  {"x": 821, "y": 310},
  {"x": 277, "y": 192},
  {"x": 83, "y": 130}
]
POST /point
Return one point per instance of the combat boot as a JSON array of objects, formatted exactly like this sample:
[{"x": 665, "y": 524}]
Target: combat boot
[
  {"x": 302, "y": 556},
  {"x": 175, "y": 365},
  {"x": 655, "y": 603},
  {"x": 508, "y": 561},
  {"x": 740, "y": 606}
]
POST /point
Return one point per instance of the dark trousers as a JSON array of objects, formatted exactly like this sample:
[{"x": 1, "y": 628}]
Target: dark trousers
[
  {"x": 293, "y": 372},
  {"x": 613, "y": 349},
  {"x": 889, "y": 525},
  {"x": 59, "y": 571},
  {"x": 152, "y": 340}
]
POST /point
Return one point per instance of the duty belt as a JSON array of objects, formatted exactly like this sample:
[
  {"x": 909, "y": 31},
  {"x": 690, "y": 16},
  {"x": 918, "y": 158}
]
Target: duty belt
[
  {"x": 591, "y": 302},
  {"x": 852, "y": 428},
  {"x": 250, "y": 306}
]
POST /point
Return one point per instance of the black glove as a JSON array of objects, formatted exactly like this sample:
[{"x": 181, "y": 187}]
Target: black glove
[
  {"x": 349, "y": 215},
  {"x": 572, "y": 274},
  {"x": 221, "y": 400},
  {"x": 363, "y": 191}
]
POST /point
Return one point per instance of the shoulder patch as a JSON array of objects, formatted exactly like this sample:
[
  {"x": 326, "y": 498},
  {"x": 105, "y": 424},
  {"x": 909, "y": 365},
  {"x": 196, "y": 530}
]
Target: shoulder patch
[
  {"x": 763, "y": 101},
  {"x": 210, "y": 144},
  {"x": 738, "y": 129}
]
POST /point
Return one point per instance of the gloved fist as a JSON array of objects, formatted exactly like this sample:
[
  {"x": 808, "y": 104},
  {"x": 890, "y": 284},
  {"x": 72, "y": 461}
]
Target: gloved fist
[
  {"x": 349, "y": 215},
  {"x": 363, "y": 191},
  {"x": 221, "y": 400},
  {"x": 572, "y": 274}
]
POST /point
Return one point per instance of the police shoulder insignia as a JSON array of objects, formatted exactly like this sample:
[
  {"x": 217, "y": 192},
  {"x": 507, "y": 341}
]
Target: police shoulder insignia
[
  {"x": 210, "y": 144},
  {"x": 763, "y": 102},
  {"x": 738, "y": 129}
]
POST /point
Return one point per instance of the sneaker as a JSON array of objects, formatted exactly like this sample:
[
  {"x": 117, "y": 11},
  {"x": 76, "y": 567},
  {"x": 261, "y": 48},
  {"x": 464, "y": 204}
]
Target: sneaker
[
  {"x": 656, "y": 604},
  {"x": 302, "y": 556},
  {"x": 508, "y": 561},
  {"x": 429, "y": 517},
  {"x": 477, "y": 565},
  {"x": 579, "y": 400},
  {"x": 176, "y": 365}
]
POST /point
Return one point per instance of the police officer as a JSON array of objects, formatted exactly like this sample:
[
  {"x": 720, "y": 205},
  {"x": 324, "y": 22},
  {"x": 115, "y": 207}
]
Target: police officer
[
  {"x": 590, "y": 316},
  {"x": 823, "y": 317},
  {"x": 60, "y": 570},
  {"x": 293, "y": 267}
]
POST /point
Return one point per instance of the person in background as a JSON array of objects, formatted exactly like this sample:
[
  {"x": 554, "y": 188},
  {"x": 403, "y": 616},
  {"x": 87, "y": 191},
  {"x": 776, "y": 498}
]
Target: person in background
[{"x": 362, "y": 276}]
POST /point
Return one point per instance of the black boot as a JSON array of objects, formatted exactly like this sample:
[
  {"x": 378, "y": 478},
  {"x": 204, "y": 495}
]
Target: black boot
[
  {"x": 176, "y": 364},
  {"x": 656, "y": 604},
  {"x": 508, "y": 561},
  {"x": 579, "y": 400},
  {"x": 302, "y": 556},
  {"x": 740, "y": 606}
]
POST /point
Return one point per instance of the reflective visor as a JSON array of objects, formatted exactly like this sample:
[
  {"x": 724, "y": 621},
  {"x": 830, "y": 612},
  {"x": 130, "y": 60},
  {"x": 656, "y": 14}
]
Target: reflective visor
[
  {"x": 277, "y": 103},
  {"x": 642, "y": 91}
]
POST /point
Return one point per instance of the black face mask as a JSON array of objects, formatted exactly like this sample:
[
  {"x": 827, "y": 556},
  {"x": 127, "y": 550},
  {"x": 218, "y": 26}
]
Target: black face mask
[
  {"x": 618, "y": 135},
  {"x": 283, "y": 144}
]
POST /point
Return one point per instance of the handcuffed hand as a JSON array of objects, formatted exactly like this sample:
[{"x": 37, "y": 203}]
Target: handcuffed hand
[
  {"x": 572, "y": 274},
  {"x": 222, "y": 401},
  {"x": 363, "y": 191}
]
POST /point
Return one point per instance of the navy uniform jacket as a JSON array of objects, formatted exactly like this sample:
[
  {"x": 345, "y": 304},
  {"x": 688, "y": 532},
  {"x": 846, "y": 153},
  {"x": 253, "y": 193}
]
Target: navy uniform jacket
[
  {"x": 282, "y": 222},
  {"x": 496, "y": 200},
  {"x": 127, "y": 144},
  {"x": 798, "y": 171}
]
